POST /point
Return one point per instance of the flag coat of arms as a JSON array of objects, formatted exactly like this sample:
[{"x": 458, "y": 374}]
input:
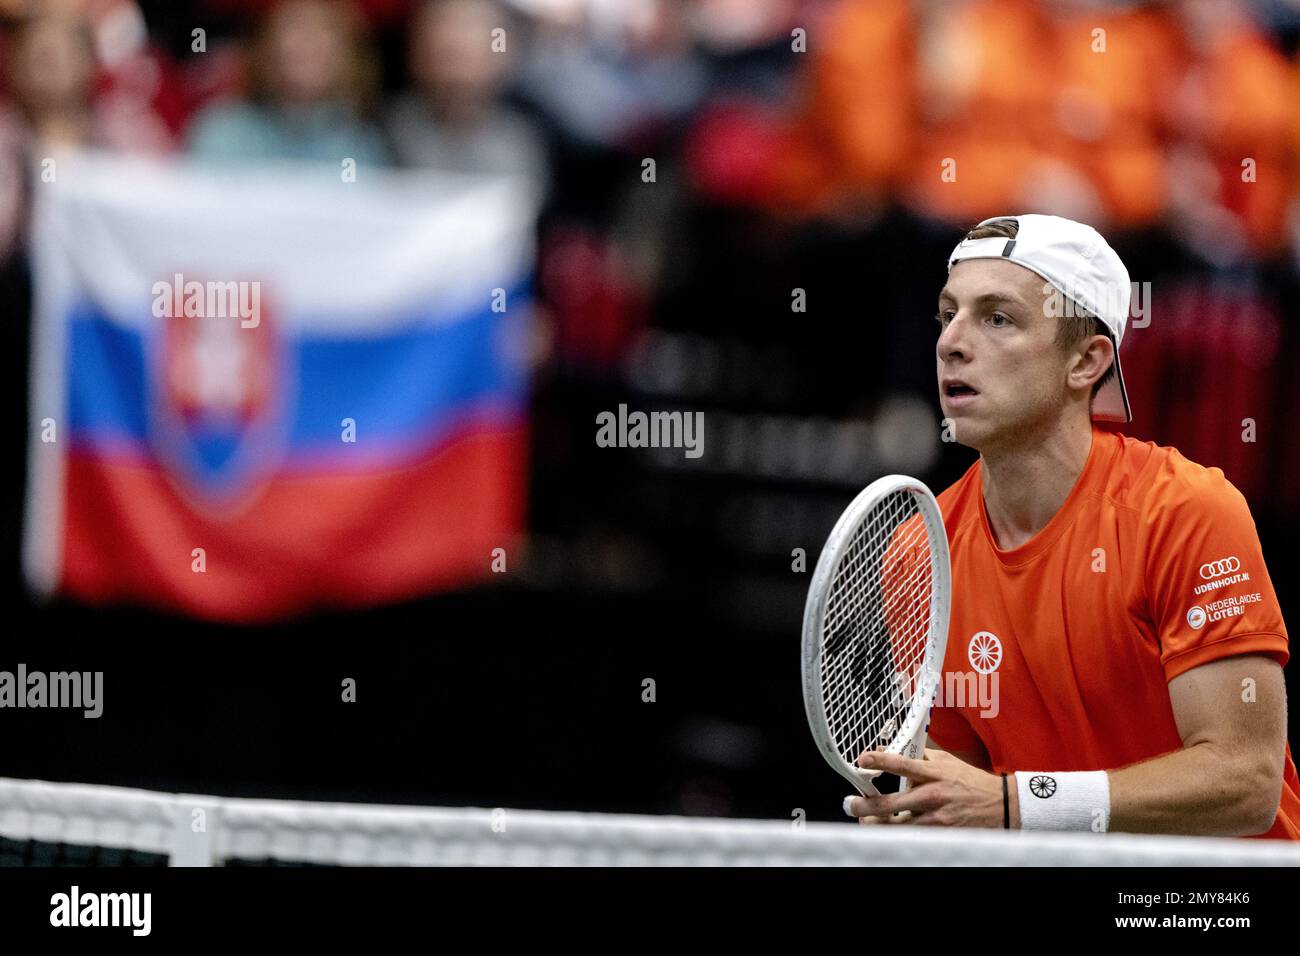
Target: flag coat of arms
[{"x": 258, "y": 392}]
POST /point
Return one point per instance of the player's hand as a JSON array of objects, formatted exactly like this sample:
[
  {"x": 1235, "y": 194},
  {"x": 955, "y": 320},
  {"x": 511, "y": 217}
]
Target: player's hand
[
  {"x": 904, "y": 817},
  {"x": 942, "y": 791}
]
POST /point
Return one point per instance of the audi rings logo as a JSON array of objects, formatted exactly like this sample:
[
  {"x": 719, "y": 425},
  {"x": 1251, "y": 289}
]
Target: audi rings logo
[{"x": 1217, "y": 569}]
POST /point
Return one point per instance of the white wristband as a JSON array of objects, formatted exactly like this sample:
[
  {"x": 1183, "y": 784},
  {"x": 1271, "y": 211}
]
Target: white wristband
[{"x": 1064, "y": 801}]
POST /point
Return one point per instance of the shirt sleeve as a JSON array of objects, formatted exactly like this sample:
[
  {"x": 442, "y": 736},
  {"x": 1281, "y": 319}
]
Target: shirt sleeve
[{"x": 1209, "y": 590}]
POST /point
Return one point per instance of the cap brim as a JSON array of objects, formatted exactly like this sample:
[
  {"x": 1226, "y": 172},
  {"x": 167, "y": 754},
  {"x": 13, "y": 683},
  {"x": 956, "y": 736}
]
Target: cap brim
[{"x": 1111, "y": 403}]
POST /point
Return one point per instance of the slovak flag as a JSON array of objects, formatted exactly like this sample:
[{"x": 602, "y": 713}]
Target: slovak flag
[{"x": 261, "y": 391}]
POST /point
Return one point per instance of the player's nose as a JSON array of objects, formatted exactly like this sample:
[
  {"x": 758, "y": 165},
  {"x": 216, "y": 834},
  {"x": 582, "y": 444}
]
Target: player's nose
[{"x": 952, "y": 340}]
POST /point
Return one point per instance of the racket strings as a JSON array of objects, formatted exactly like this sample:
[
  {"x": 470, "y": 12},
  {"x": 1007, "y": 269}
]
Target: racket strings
[
  {"x": 876, "y": 628},
  {"x": 880, "y": 693},
  {"x": 880, "y": 683}
]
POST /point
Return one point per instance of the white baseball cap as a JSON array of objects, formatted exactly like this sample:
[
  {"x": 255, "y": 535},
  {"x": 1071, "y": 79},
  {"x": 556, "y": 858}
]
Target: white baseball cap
[{"x": 1087, "y": 272}]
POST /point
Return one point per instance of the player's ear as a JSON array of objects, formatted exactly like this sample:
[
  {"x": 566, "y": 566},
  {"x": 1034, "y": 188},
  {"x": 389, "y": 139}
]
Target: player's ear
[{"x": 1094, "y": 356}]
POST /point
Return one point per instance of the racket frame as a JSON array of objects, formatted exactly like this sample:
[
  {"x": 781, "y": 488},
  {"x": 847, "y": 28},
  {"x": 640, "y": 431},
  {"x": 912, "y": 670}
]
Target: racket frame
[{"x": 910, "y": 738}]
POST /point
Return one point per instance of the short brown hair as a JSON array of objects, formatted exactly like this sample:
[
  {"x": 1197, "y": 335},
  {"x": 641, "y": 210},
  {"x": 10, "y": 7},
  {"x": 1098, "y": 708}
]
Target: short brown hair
[{"x": 1071, "y": 328}]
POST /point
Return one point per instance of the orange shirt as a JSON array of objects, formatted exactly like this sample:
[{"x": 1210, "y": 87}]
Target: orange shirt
[{"x": 1060, "y": 651}]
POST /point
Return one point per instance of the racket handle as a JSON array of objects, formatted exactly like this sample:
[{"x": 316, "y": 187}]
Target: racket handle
[
  {"x": 915, "y": 749},
  {"x": 865, "y": 785}
]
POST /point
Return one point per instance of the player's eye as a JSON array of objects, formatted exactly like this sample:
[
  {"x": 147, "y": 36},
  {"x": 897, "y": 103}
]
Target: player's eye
[
  {"x": 943, "y": 318},
  {"x": 999, "y": 320}
]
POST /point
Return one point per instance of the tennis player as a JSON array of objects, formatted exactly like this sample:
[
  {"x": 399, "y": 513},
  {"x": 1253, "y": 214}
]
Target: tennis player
[{"x": 1115, "y": 654}]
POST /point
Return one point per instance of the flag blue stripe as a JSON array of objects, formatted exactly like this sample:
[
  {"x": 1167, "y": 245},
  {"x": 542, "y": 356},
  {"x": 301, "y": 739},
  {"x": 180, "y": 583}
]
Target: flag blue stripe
[{"x": 399, "y": 387}]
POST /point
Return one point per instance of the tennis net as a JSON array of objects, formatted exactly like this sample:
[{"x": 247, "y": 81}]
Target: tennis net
[{"x": 51, "y": 824}]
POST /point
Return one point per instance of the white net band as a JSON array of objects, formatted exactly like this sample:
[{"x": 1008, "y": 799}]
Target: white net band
[{"x": 240, "y": 830}]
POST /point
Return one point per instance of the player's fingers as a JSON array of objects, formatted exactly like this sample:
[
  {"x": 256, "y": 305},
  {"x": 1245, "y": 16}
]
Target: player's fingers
[
  {"x": 914, "y": 770},
  {"x": 934, "y": 820},
  {"x": 941, "y": 757},
  {"x": 916, "y": 800},
  {"x": 855, "y": 806},
  {"x": 904, "y": 817},
  {"x": 864, "y": 809}
]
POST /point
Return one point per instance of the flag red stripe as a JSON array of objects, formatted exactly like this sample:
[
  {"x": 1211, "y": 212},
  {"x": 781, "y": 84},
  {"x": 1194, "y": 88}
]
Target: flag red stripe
[{"x": 358, "y": 539}]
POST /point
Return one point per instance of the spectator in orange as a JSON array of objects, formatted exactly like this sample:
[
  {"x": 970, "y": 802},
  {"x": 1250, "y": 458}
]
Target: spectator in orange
[
  {"x": 1052, "y": 105},
  {"x": 853, "y": 140},
  {"x": 1233, "y": 162}
]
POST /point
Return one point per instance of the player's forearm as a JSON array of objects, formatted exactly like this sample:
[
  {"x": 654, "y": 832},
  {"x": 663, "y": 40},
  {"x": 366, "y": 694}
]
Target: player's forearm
[{"x": 1200, "y": 790}]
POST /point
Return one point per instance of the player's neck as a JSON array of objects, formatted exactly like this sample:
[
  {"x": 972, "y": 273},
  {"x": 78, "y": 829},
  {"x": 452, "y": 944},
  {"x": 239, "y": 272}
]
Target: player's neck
[{"x": 1026, "y": 486}]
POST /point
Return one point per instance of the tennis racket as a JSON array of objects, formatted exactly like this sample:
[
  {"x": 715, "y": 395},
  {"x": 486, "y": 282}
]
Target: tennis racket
[{"x": 875, "y": 627}]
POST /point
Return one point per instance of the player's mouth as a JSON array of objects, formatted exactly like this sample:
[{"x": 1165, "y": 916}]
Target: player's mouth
[{"x": 957, "y": 393}]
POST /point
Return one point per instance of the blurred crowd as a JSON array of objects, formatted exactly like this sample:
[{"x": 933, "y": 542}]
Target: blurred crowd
[
  {"x": 1120, "y": 113},
  {"x": 796, "y": 144}
]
